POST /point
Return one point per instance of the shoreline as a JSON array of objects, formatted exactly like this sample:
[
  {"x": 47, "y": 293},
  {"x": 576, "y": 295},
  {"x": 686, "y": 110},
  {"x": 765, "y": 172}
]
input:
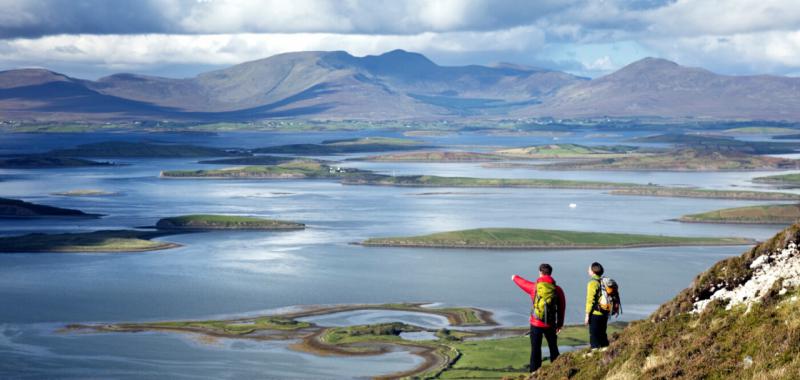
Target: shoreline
[{"x": 552, "y": 247}]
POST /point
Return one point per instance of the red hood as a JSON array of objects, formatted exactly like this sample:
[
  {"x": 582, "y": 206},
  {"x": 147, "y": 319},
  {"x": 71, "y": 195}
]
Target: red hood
[{"x": 546, "y": 278}]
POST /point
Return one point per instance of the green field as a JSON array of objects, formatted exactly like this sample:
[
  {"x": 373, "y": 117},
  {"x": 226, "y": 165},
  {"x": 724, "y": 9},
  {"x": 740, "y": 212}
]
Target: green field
[
  {"x": 521, "y": 238},
  {"x": 568, "y": 151},
  {"x": 97, "y": 241},
  {"x": 232, "y": 327},
  {"x": 783, "y": 179},
  {"x": 768, "y": 214},
  {"x": 705, "y": 193},
  {"x": 224, "y": 222},
  {"x": 682, "y": 160},
  {"x": 143, "y": 149},
  {"x": 495, "y": 358}
]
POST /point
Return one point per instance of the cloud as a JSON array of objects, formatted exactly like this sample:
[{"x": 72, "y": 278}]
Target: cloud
[{"x": 732, "y": 36}]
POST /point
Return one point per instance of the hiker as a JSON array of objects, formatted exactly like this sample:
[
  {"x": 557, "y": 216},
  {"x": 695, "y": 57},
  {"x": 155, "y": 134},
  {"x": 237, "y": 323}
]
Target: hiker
[
  {"x": 547, "y": 313},
  {"x": 602, "y": 300}
]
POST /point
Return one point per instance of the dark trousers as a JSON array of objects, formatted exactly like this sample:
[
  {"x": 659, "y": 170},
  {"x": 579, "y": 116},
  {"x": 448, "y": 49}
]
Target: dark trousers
[
  {"x": 597, "y": 330},
  {"x": 536, "y": 345}
]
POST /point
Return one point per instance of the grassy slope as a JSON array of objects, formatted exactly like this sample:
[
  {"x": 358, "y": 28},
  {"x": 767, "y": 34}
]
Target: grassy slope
[
  {"x": 783, "y": 179},
  {"x": 97, "y": 241},
  {"x": 683, "y": 160},
  {"x": 533, "y": 238},
  {"x": 780, "y": 214},
  {"x": 714, "y": 344},
  {"x": 224, "y": 222}
]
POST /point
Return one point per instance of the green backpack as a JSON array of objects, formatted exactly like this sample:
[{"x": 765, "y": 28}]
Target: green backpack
[{"x": 544, "y": 304}]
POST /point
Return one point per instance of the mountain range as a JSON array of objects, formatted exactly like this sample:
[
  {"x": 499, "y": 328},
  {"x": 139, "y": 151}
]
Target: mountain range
[{"x": 396, "y": 85}]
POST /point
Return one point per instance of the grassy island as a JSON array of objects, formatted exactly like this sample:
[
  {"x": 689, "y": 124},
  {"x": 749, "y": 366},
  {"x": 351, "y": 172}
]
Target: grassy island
[
  {"x": 251, "y": 160},
  {"x": 15, "y": 208},
  {"x": 436, "y": 181},
  {"x": 720, "y": 144},
  {"x": 681, "y": 192},
  {"x": 569, "y": 151},
  {"x": 521, "y": 238},
  {"x": 144, "y": 149},
  {"x": 768, "y": 214},
  {"x": 791, "y": 180},
  {"x": 359, "y": 145},
  {"x": 85, "y": 193},
  {"x": 683, "y": 160},
  {"x": 224, "y": 222},
  {"x": 97, "y": 241},
  {"x": 436, "y": 156},
  {"x": 47, "y": 162},
  {"x": 295, "y": 169}
]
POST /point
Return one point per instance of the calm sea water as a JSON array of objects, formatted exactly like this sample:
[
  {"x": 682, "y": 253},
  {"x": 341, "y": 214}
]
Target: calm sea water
[{"x": 234, "y": 273}]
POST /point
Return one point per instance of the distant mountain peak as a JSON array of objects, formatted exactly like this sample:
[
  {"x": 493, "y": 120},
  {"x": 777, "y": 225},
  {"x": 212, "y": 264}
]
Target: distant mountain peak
[{"x": 30, "y": 77}]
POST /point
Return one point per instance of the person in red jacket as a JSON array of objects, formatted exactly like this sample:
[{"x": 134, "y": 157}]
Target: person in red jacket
[{"x": 539, "y": 327}]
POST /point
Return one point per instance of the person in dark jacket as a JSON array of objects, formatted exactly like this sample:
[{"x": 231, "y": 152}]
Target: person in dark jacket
[{"x": 540, "y": 328}]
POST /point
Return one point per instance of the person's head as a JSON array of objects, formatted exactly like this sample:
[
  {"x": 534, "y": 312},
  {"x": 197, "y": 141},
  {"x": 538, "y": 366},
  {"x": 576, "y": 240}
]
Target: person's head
[
  {"x": 545, "y": 269},
  {"x": 596, "y": 269}
]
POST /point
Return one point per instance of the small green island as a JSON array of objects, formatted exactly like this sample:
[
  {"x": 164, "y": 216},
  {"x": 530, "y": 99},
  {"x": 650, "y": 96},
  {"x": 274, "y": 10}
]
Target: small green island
[
  {"x": 524, "y": 238},
  {"x": 144, "y": 150},
  {"x": 48, "y": 162},
  {"x": 788, "y": 180},
  {"x": 569, "y": 151},
  {"x": 224, "y": 222},
  {"x": 435, "y": 156},
  {"x": 767, "y": 214},
  {"x": 86, "y": 193},
  {"x": 687, "y": 192},
  {"x": 448, "y": 353},
  {"x": 108, "y": 241},
  {"x": 758, "y": 131},
  {"x": 682, "y": 160},
  {"x": 344, "y": 146},
  {"x": 15, "y": 208},
  {"x": 295, "y": 169}
]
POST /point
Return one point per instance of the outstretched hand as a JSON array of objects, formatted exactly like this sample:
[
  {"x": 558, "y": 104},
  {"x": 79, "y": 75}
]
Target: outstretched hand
[{"x": 512, "y": 277}]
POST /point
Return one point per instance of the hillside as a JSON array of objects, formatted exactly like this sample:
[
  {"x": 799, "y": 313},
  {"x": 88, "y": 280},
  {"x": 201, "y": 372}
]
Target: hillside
[
  {"x": 657, "y": 87},
  {"x": 15, "y": 208},
  {"x": 396, "y": 85},
  {"x": 767, "y": 214},
  {"x": 739, "y": 319}
]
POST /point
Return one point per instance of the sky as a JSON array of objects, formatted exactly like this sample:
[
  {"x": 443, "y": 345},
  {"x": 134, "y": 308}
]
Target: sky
[{"x": 181, "y": 38}]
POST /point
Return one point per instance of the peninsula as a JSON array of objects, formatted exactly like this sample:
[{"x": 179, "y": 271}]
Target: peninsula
[
  {"x": 144, "y": 149},
  {"x": 788, "y": 180},
  {"x": 682, "y": 160},
  {"x": 570, "y": 151},
  {"x": 437, "y": 181},
  {"x": 15, "y": 208},
  {"x": 108, "y": 241},
  {"x": 295, "y": 169},
  {"x": 768, "y": 214},
  {"x": 47, "y": 162},
  {"x": 224, "y": 222},
  {"x": 358, "y": 145},
  {"x": 435, "y": 156},
  {"x": 522, "y": 238}
]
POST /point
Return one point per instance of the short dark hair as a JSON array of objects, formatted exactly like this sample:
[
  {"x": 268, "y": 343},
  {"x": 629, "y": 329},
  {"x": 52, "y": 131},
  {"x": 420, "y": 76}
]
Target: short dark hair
[
  {"x": 597, "y": 268},
  {"x": 546, "y": 269}
]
